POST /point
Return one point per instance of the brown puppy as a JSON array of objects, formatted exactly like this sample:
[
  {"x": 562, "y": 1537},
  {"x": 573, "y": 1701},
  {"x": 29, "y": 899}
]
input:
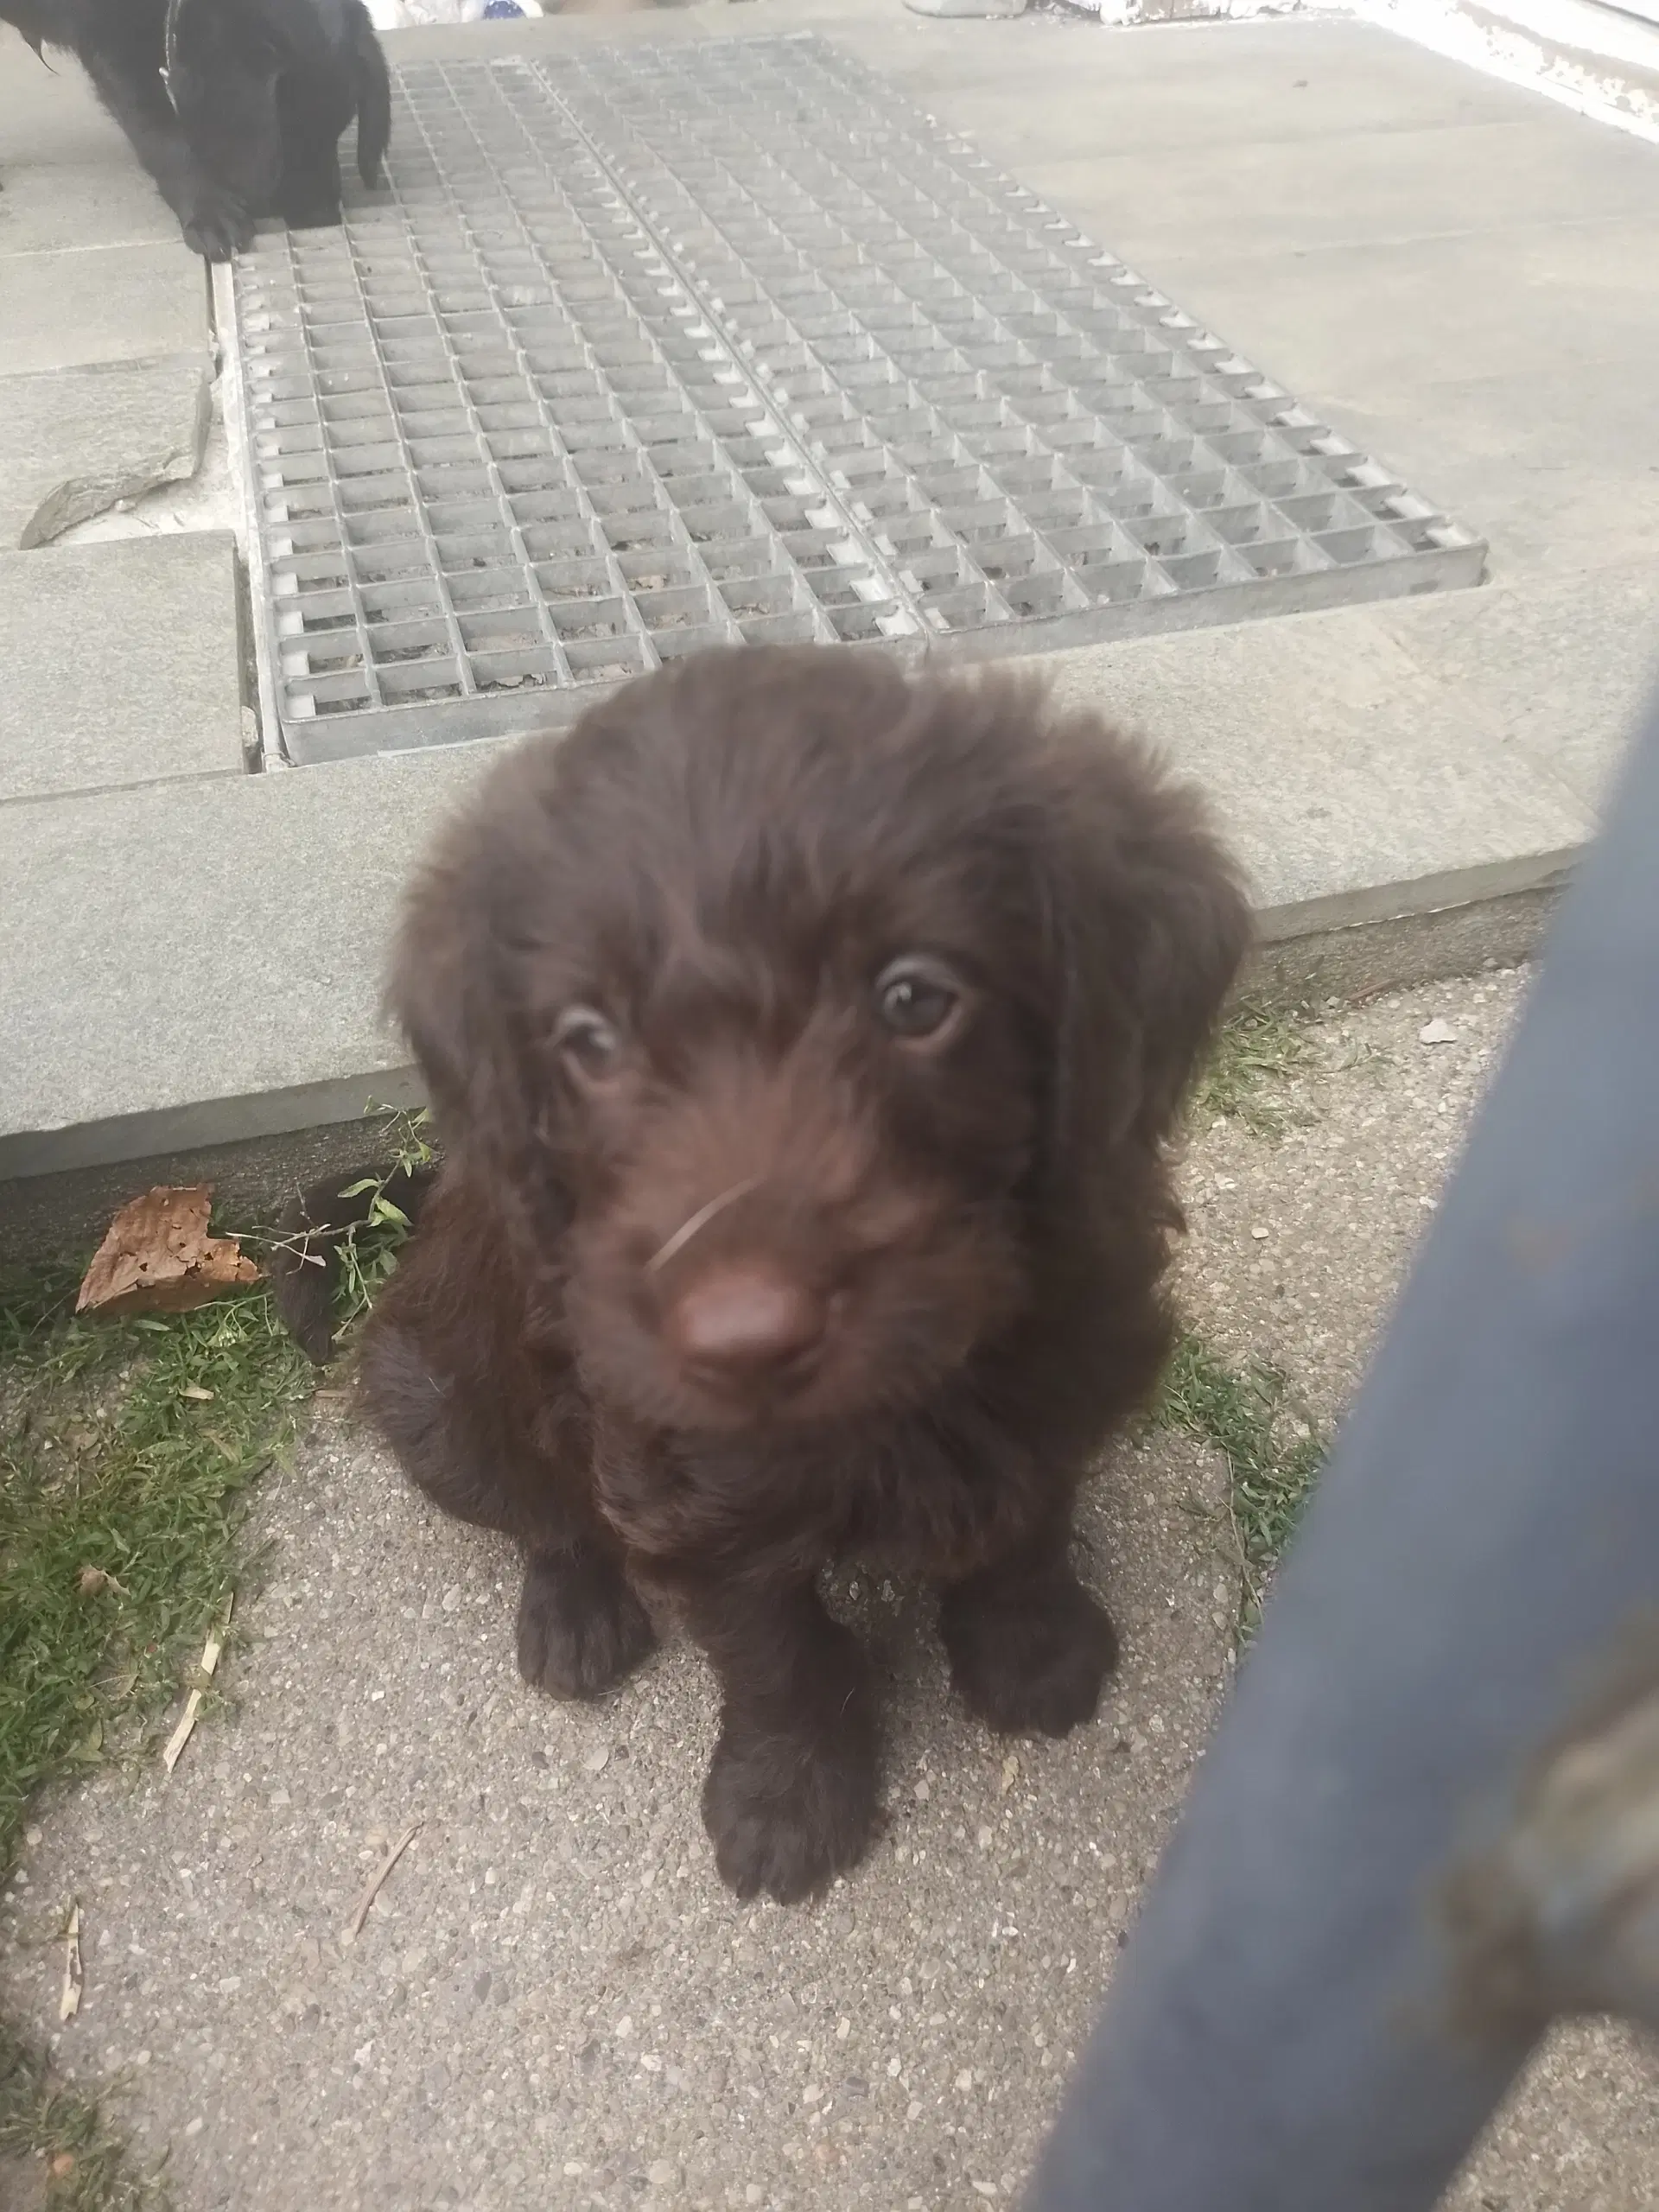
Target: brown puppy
[{"x": 805, "y": 1036}]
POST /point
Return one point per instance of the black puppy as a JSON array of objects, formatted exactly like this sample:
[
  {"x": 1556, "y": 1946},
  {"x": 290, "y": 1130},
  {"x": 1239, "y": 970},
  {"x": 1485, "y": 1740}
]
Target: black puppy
[{"x": 235, "y": 107}]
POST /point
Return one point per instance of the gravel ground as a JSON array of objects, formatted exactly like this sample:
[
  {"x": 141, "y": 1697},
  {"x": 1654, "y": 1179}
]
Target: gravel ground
[{"x": 553, "y": 2003}]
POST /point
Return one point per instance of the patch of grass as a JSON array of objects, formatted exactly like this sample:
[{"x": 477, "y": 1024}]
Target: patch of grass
[
  {"x": 83, "y": 2166},
  {"x": 125, "y": 1448},
  {"x": 1273, "y": 1452},
  {"x": 1257, "y": 1048}
]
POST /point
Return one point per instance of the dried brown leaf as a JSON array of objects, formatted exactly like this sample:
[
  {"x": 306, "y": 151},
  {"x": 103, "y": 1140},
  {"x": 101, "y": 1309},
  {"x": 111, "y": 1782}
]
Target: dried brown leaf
[
  {"x": 94, "y": 1579},
  {"x": 158, "y": 1257}
]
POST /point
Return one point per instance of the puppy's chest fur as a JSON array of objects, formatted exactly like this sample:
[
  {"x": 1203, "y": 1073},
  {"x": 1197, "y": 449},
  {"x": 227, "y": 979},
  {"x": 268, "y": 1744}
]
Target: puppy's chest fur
[{"x": 936, "y": 1491}]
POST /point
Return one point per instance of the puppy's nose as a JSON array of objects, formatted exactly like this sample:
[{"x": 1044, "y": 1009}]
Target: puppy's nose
[{"x": 743, "y": 1320}]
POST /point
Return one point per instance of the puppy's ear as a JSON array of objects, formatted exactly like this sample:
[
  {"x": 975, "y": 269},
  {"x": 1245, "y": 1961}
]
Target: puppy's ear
[
  {"x": 447, "y": 992},
  {"x": 444, "y": 989},
  {"x": 1150, "y": 923},
  {"x": 451, "y": 989}
]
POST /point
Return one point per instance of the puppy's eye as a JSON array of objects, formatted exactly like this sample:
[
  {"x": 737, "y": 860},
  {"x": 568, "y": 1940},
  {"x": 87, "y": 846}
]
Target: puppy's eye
[
  {"x": 589, "y": 1043},
  {"x": 917, "y": 1000}
]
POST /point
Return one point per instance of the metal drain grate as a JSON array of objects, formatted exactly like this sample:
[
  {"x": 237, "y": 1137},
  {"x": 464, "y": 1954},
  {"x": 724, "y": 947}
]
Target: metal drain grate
[{"x": 657, "y": 347}]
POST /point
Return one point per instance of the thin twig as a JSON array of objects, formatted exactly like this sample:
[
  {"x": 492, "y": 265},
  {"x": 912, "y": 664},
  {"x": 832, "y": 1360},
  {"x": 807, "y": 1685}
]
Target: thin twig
[
  {"x": 372, "y": 1888},
  {"x": 69, "y": 2001}
]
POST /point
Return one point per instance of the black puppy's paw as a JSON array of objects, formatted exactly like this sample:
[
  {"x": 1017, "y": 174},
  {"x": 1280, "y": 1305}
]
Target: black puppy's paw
[
  {"x": 1030, "y": 1661},
  {"x": 215, "y": 225},
  {"x": 580, "y": 1629},
  {"x": 310, "y": 211},
  {"x": 786, "y": 1813}
]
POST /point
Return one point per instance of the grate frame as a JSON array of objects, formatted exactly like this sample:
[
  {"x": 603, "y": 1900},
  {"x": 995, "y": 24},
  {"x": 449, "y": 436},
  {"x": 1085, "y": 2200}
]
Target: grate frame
[{"x": 659, "y": 346}]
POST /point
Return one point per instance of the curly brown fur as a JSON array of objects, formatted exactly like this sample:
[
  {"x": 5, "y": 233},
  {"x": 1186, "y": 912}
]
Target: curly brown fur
[{"x": 806, "y": 1038}]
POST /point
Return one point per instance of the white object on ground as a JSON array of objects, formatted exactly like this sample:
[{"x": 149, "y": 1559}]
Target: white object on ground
[
  {"x": 1597, "y": 60},
  {"x": 966, "y": 7},
  {"x": 413, "y": 15}
]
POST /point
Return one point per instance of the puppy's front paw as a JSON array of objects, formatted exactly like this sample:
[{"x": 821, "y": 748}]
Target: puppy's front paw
[
  {"x": 581, "y": 1628},
  {"x": 214, "y": 225},
  {"x": 1030, "y": 1661},
  {"x": 316, "y": 210},
  {"x": 787, "y": 1814}
]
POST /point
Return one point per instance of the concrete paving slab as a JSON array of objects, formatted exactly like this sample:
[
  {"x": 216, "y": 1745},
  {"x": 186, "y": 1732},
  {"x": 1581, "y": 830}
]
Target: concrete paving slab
[
  {"x": 246, "y": 992},
  {"x": 73, "y": 442},
  {"x": 1557, "y": 469},
  {"x": 100, "y": 302},
  {"x": 1353, "y": 785},
  {"x": 119, "y": 664},
  {"x": 174, "y": 953},
  {"x": 1338, "y": 766},
  {"x": 1562, "y": 666},
  {"x": 45, "y": 209},
  {"x": 67, "y": 175},
  {"x": 49, "y": 110},
  {"x": 1392, "y": 186},
  {"x": 1364, "y": 320}
]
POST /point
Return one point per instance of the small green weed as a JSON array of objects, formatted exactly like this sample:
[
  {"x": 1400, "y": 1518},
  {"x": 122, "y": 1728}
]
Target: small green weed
[
  {"x": 1273, "y": 1452},
  {"x": 1257, "y": 1048},
  {"x": 368, "y": 1253},
  {"x": 361, "y": 1255}
]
